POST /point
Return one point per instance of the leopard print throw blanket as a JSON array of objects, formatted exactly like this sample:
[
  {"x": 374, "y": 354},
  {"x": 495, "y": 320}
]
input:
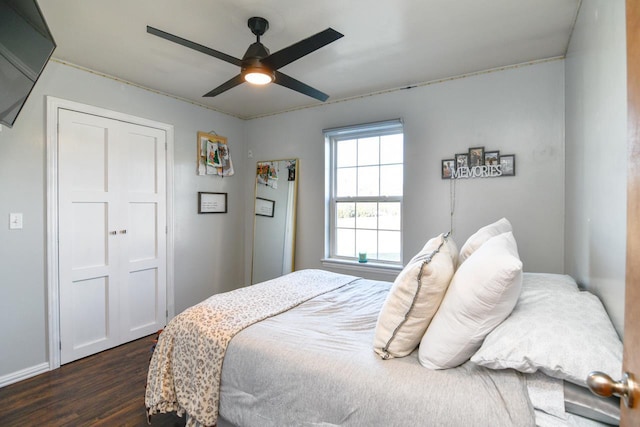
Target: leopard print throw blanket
[{"x": 186, "y": 366}]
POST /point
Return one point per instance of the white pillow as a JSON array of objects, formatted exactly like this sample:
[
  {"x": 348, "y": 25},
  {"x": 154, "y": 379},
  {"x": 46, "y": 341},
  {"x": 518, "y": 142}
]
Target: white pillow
[
  {"x": 411, "y": 303},
  {"x": 562, "y": 332},
  {"x": 482, "y": 293},
  {"x": 482, "y": 235}
]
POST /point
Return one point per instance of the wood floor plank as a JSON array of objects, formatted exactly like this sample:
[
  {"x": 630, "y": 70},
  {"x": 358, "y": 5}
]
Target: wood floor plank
[{"x": 106, "y": 389}]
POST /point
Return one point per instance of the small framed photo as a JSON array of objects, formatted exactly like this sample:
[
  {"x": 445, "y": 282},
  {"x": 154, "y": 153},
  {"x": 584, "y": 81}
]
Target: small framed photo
[
  {"x": 491, "y": 158},
  {"x": 265, "y": 207},
  {"x": 508, "y": 164},
  {"x": 462, "y": 160},
  {"x": 476, "y": 156},
  {"x": 212, "y": 202},
  {"x": 448, "y": 166}
]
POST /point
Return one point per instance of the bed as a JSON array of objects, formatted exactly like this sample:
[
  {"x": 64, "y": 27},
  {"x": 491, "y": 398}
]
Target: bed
[{"x": 305, "y": 350}]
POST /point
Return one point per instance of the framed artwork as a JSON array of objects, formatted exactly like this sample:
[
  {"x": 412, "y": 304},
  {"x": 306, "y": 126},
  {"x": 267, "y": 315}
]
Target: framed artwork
[
  {"x": 213, "y": 154},
  {"x": 462, "y": 160},
  {"x": 448, "y": 166},
  {"x": 476, "y": 156},
  {"x": 265, "y": 207},
  {"x": 212, "y": 202},
  {"x": 491, "y": 158},
  {"x": 508, "y": 164}
]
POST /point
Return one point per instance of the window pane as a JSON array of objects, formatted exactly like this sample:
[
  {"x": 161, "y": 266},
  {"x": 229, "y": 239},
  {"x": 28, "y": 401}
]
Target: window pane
[
  {"x": 346, "y": 182},
  {"x": 391, "y": 149},
  {"x": 368, "y": 181},
  {"x": 367, "y": 242},
  {"x": 345, "y": 242},
  {"x": 389, "y": 216},
  {"x": 391, "y": 180},
  {"x": 368, "y": 151},
  {"x": 367, "y": 215},
  {"x": 346, "y": 153},
  {"x": 346, "y": 215},
  {"x": 367, "y": 187},
  {"x": 389, "y": 246}
]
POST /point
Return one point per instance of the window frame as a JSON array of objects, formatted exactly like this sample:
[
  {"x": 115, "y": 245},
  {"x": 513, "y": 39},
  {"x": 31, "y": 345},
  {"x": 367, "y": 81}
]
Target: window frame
[{"x": 332, "y": 138}]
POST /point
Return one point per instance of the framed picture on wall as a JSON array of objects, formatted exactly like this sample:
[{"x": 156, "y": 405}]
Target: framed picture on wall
[
  {"x": 508, "y": 164},
  {"x": 265, "y": 207},
  {"x": 462, "y": 160},
  {"x": 212, "y": 202},
  {"x": 491, "y": 158},
  {"x": 476, "y": 156},
  {"x": 448, "y": 166}
]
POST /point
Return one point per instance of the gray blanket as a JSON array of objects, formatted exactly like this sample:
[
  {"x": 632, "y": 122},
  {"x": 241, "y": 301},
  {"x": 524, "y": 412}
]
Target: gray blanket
[{"x": 314, "y": 365}]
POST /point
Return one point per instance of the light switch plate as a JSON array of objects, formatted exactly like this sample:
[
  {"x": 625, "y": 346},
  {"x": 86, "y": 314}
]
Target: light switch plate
[{"x": 15, "y": 221}]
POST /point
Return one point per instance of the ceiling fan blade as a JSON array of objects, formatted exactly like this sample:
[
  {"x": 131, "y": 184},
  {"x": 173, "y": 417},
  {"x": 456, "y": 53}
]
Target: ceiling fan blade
[
  {"x": 194, "y": 46},
  {"x": 231, "y": 83},
  {"x": 303, "y": 47},
  {"x": 286, "y": 81}
]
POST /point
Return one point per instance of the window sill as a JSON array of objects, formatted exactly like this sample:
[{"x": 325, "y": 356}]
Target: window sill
[{"x": 369, "y": 267}]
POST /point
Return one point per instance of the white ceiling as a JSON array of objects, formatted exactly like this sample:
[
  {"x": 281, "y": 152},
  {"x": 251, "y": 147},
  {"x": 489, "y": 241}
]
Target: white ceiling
[{"x": 388, "y": 44}]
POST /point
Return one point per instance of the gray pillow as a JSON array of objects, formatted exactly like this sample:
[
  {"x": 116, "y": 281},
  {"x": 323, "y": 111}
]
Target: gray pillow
[{"x": 554, "y": 328}]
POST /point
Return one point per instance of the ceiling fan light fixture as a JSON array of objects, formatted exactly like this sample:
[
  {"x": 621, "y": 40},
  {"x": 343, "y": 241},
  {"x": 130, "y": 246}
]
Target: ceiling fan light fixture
[
  {"x": 258, "y": 76},
  {"x": 258, "y": 66}
]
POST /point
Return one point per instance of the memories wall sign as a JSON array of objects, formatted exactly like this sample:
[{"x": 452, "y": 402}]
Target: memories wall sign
[{"x": 478, "y": 163}]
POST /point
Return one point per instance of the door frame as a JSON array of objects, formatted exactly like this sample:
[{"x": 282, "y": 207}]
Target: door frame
[
  {"x": 631, "y": 358},
  {"x": 53, "y": 105}
]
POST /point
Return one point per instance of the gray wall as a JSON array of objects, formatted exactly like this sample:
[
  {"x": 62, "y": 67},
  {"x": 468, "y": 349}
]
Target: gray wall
[
  {"x": 596, "y": 142},
  {"x": 207, "y": 247},
  {"x": 519, "y": 111}
]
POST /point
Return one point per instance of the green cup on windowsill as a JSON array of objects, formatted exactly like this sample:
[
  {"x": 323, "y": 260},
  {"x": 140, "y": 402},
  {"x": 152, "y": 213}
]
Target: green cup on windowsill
[{"x": 362, "y": 257}]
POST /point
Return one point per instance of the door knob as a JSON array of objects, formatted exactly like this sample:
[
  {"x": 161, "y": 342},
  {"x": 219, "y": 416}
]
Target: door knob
[
  {"x": 602, "y": 385},
  {"x": 123, "y": 231}
]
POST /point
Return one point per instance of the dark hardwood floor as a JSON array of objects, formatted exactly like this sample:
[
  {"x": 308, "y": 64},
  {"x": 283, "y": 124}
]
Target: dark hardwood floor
[{"x": 106, "y": 389}]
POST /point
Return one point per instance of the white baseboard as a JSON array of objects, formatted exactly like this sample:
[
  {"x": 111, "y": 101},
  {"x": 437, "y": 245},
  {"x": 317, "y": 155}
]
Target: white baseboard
[{"x": 24, "y": 374}]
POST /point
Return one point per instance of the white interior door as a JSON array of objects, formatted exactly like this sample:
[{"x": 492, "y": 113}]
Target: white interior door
[
  {"x": 143, "y": 240},
  {"x": 112, "y": 225}
]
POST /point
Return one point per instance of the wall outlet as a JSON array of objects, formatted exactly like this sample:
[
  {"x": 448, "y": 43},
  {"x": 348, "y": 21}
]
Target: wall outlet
[{"x": 15, "y": 221}]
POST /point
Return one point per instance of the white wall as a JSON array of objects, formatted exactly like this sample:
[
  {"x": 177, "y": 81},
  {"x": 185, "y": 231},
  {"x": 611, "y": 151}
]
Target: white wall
[
  {"x": 207, "y": 247},
  {"x": 518, "y": 111},
  {"x": 596, "y": 142}
]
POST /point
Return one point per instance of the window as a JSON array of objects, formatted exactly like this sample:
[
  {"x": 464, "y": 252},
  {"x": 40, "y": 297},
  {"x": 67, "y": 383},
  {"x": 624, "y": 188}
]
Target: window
[{"x": 365, "y": 192}]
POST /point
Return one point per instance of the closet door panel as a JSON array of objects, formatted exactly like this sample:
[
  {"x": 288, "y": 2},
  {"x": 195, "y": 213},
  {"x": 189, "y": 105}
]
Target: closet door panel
[
  {"x": 87, "y": 203},
  {"x": 143, "y": 309},
  {"x": 143, "y": 297}
]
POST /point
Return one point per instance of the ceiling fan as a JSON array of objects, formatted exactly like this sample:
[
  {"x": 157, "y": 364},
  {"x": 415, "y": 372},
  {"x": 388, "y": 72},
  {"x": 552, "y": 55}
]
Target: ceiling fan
[{"x": 258, "y": 66}]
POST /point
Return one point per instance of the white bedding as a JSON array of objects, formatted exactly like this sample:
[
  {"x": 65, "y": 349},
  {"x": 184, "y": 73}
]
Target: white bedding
[
  {"x": 314, "y": 365},
  {"x": 185, "y": 369}
]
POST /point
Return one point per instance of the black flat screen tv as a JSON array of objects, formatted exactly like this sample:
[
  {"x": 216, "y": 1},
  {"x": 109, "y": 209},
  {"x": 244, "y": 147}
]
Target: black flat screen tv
[{"x": 25, "y": 47}]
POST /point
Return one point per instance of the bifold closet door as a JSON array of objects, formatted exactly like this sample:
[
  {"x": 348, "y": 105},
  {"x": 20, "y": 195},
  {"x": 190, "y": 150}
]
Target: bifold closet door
[{"x": 112, "y": 232}]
